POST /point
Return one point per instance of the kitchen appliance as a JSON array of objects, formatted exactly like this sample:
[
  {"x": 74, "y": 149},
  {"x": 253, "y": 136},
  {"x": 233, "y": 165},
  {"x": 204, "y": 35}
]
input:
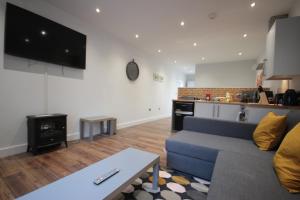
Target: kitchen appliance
[
  {"x": 181, "y": 109},
  {"x": 290, "y": 98},
  {"x": 298, "y": 98},
  {"x": 278, "y": 98},
  {"x": 249, "y": 96},
  {"x": 242, "y": 116},
  {"x": 270, "y": 96},
  {"x": 189, "y": 98}
]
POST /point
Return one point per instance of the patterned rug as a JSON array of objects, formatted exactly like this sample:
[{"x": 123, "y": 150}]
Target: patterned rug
[{"x": 173, "y": 186}]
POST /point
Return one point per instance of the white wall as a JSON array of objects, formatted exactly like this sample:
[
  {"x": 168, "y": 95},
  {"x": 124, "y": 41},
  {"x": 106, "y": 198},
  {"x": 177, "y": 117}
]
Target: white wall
[
  {"x": 226, "y": 74},
  {"x": 190, "y": 80},
  {"x": 101, "y": 89},
  {"x": 295, "y": 11}
]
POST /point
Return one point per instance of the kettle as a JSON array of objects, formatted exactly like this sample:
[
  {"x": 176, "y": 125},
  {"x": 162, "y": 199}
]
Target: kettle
[{"x": 290, "y": 98}]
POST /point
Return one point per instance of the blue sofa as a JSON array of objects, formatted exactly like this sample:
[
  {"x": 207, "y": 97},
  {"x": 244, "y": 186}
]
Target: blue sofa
[{"x": 224, "y": 153}]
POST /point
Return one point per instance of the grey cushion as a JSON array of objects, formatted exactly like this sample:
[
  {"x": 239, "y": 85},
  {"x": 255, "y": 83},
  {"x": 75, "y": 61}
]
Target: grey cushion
[
  {"x": 293, "y": 119},
  {"x": 206, "y": 146},
  {"x": 189, "y": 165},
  {"x": 240, "y": 177}
]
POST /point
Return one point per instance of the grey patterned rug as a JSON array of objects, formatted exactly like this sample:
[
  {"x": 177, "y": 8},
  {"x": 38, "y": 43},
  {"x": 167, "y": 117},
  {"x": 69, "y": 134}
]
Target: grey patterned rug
[{"x": 173, "y": 186}]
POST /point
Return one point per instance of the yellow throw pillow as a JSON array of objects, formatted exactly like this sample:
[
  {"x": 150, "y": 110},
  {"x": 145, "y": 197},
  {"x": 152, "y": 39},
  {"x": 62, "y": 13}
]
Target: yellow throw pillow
[
  {"x": 269, "y": 131},
  {"x": 287, "y": 161}
]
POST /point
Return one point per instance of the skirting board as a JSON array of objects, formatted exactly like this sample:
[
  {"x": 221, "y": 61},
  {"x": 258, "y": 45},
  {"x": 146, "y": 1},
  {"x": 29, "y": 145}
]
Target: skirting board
[
  {"x": 21, "y": 148},
  {"x": 141, "y": 121}
]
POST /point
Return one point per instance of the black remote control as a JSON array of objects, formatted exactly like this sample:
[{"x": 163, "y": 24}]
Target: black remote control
[{"x": 106, "y": 176}]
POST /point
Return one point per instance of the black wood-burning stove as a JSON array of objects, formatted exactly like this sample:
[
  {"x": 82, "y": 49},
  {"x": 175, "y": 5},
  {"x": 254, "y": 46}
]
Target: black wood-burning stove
[{"x": 45, "y": 131}]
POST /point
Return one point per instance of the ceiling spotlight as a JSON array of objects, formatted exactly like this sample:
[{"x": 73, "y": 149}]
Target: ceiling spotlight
[
  {"x": 67, "y": 50},
  {"x": 252, "y": 4},
  {"x": 245, "y": 35},
  {"x": 27, "y": 40},
  {"x": 98, "y": 10},
  {"x": 159, "y": 51},
  {"x": 203, "y": 58},
  {"x": 240, "y": 53},
  {"x": 195, "y": 44},
  {"x": 43, "y": 32},
  {"x": 137, "y": 36},
  {"x": 182, "y": 23},
  {"x": 175, "y": 61}
]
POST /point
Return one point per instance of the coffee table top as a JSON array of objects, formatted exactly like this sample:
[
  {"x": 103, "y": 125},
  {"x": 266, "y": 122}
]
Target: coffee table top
[{"x": 79, "y": 185}]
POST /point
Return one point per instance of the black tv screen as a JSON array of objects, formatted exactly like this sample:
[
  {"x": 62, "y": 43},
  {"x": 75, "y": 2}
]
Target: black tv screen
[{"x": 31, "y": 36}]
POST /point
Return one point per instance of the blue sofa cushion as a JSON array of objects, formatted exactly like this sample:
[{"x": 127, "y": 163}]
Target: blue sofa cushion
[
  {"x": 189, "y": 144},
  {"x": 189, "y": 165},
  {"x": 237, "y": 177}
]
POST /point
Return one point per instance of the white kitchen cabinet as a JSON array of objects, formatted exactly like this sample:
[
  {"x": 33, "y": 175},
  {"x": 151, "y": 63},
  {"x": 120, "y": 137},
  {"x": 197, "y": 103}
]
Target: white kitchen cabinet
[
  {"x": 227, "y": 112},
  {"x": 216, "y": 111},
  {"x": 254, "y": 115},
  {"x": 282, "y": 49},
  {"x": 204, "y": 110}
]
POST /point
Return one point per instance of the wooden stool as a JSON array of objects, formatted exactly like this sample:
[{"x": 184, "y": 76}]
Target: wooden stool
[{"x": 111, "y": 125}]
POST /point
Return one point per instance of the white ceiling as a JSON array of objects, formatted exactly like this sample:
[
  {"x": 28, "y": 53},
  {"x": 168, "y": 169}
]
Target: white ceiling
[{"x": 158, "y": 24}]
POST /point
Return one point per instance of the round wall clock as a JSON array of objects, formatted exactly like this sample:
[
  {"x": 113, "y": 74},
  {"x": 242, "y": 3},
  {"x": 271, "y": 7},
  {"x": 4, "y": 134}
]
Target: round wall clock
[{"x": 132, "y": 71}]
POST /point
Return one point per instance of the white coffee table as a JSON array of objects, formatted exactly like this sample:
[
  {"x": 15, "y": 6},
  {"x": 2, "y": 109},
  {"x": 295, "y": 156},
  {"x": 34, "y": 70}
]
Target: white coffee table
[{"x": 79, "y": 185}]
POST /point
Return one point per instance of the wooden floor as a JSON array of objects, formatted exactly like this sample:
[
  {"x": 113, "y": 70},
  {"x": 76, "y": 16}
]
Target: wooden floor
[{"x": 24, "y": 173}]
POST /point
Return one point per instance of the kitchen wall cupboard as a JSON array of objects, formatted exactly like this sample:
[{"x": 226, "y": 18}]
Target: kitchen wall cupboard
[{"x": 282, "y": 49}]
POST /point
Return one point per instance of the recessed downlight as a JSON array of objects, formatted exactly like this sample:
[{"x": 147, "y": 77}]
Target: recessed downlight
[
  {"x": 43, "y": 32},
  {"x": 203, "y": 58},
  {"x": 175, "y": 61},
  {"x": 240, "y": 53},
  {"x": 137, "y": 36},
  {"x": 159, "y": 50},
  {"x": 245, "y": 35},
  {"x": 195, "y": 44},
  {"x": 252, "y": 4},
  {"x": 98, "y": 10},
  {"x": 182, "y": 23},
  {"x": 27, "y": 40}
]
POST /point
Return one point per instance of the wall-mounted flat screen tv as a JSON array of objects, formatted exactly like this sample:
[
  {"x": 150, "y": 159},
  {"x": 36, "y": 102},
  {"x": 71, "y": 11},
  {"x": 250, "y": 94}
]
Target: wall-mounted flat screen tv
[{"x": 31, "y": 36}]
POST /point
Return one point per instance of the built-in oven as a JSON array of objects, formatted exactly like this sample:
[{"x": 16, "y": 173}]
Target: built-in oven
[{"x": 181, "y": 109}]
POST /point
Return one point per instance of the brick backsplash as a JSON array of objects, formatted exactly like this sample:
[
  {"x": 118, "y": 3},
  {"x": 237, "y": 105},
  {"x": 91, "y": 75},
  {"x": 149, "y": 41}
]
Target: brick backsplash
[{"x": 214, "y": 92}]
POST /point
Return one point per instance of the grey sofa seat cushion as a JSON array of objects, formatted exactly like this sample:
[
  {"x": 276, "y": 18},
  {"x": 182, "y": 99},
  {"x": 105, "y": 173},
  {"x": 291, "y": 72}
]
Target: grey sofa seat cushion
[
  {"x": 293, "y": 119},
  {"x": 206, "y": 146},
  {"x": 240, "y": 177}
]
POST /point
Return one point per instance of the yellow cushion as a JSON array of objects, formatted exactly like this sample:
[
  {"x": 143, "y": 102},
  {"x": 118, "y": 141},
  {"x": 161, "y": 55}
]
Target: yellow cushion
[
  {"x": 269, "y": 131},
  {"x": 287, "y": 161}
]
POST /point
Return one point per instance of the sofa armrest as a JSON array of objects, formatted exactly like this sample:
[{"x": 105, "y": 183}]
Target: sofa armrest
[{"x": 219, "y": 127}]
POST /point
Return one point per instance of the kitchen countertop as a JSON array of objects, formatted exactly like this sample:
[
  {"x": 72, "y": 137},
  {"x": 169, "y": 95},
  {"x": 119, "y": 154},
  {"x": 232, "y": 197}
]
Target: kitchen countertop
[{"x": 271, "y": 106}]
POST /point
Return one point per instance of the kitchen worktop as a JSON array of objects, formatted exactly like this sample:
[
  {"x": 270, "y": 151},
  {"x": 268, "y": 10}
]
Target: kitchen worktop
[{"x": 271, "y": 106}]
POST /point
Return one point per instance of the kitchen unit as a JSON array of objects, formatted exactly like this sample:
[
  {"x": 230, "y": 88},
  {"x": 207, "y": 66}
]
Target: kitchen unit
[
  {"x": 282, "y": 49},
  {"x": 254, "y": 114},
  {"x": 216, "y": 111},
  {"x": 231, "y": 111},
  {"x": 180, "y": 110}
]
